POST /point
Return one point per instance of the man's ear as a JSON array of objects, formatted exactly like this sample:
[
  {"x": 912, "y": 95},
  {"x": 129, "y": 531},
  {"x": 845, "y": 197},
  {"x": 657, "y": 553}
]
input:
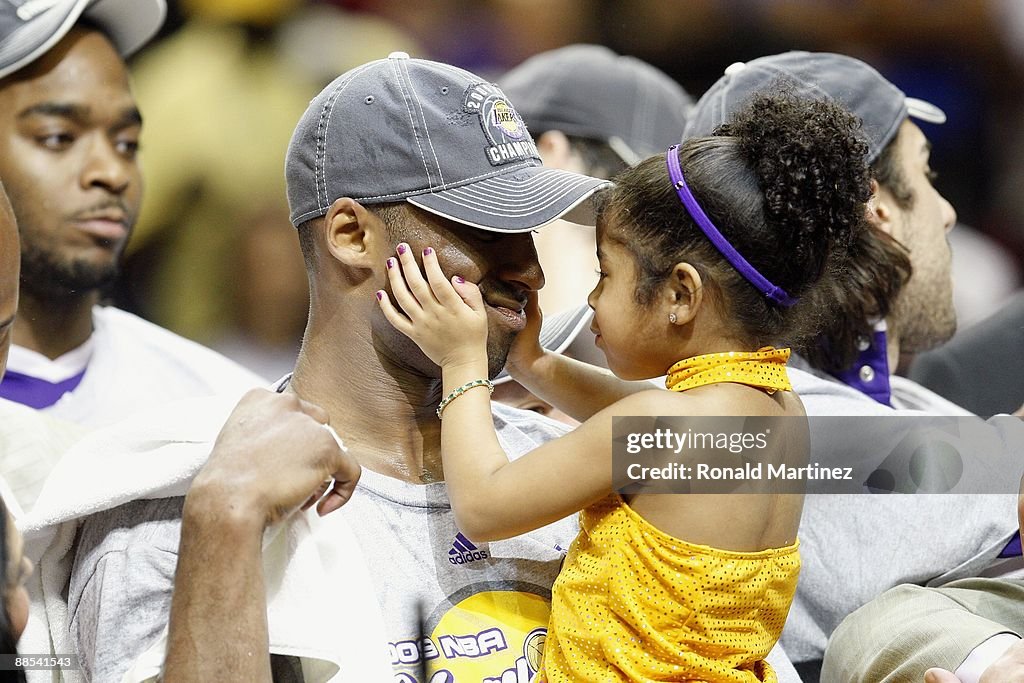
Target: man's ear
[
  {"x": 555, "y": 149},
  {"x": 684, "y": 294},
  {"x": 350, "y": 230},
  {"x": 881, "y": 208}
]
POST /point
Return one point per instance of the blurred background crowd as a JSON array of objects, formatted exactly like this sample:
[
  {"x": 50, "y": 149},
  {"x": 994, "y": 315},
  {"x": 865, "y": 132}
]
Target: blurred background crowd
[{"x": 214, "y": 257}]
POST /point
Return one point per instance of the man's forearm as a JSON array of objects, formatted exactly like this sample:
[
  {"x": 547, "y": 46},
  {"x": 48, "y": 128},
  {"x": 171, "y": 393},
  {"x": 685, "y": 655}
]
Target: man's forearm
[{"x": 218, "y": 631}]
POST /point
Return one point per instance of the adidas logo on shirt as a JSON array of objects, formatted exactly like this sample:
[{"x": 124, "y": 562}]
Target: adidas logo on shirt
[{"x": 463, "y": 551}]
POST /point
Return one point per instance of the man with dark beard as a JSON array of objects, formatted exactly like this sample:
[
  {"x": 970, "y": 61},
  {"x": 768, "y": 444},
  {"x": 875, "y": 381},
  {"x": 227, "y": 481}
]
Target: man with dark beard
[{"x": 69, "y": 138}]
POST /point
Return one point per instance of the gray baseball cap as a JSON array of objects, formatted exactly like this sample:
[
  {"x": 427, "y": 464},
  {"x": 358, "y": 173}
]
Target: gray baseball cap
[
  {"x": 860, "y": 88},
  {"x": 28, "y": 28},
  {"x": 589, "y": 91},
  {"x": 439, "y": 137}
]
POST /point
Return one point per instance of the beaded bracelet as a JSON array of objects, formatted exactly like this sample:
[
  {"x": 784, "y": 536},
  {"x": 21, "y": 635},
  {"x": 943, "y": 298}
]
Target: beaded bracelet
[{"x": 461, "y": 390}]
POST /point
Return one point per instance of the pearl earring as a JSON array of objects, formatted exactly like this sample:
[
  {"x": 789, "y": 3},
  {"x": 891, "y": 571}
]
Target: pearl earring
[{"x": 672, "y": 318}]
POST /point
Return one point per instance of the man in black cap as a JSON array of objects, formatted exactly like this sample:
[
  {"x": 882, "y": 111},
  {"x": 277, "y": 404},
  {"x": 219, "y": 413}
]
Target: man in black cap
[{"x": 69, "y": 133}]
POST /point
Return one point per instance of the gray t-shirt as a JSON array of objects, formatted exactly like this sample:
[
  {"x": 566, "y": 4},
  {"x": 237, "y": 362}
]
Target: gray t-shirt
[
  {"x": 473, "y": 610},
  {"x": 854, "y": 547}
]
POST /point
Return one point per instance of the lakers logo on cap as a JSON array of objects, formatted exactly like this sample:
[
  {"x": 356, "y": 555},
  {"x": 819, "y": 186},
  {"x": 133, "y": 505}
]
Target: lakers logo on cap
[
  {"x": 507, "y": 138},
  {"x": 506, "y": 117}
]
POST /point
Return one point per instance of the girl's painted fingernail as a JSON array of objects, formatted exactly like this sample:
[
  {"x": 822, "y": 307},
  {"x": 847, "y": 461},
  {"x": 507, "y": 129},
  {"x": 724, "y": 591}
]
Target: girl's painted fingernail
[
  {"x": 390, "y": 262},
  {"x": 380, "y": 295},
  {"x": 458, "y": 278},
  {"x": 428, "y": 251},
  {"x": 401, "y": 248}
]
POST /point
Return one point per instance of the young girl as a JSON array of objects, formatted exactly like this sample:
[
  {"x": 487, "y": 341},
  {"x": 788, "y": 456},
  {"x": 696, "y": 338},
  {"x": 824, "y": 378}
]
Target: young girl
[{"x": 703, "y": 252}]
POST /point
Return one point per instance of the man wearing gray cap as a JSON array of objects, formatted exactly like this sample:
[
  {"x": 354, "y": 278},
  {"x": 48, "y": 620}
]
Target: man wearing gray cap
[
  {"x": 898, "y": 299},
  {"x": 69, "y": 138},
  {"x": 396, "y": 151}
]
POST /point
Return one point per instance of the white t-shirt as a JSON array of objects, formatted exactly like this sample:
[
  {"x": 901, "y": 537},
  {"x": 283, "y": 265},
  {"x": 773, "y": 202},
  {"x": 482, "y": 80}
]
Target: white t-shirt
[{"x": 131, "y": 364}]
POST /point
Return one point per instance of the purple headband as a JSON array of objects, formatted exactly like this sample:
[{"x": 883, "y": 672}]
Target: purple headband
[{"x": 773, "y": 292}]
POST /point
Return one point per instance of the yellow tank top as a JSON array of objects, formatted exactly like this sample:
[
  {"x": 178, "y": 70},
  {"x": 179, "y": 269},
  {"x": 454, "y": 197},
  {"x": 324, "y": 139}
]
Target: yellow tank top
[{"x": 633, "y": 603}]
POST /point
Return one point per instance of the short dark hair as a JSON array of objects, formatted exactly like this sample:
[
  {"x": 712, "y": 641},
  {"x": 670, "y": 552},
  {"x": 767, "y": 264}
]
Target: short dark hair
[
  {"x": 599, "y": 159},
  {"x": 785, "y": 181},
  {"x": 390, "y": 214},
  {"x": 89, "y": 25},
  {"x": 887, "y": 171}
]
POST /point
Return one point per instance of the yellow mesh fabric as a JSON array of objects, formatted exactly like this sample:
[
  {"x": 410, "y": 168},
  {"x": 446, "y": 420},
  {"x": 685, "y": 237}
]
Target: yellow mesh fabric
[
  {"x": 764, "y": 369},
  {"x": 635, "y": 604}
]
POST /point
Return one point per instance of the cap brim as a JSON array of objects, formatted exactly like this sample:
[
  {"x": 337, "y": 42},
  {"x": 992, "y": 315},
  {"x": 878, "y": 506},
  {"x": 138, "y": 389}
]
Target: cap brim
[
  {"x": 518, "y": 201},
  {"x": 558, "y": 332},
  {"x": 129, "y": 23},
  {"x": 33, "y": 38},
  {"x": 925, "y": 111}
]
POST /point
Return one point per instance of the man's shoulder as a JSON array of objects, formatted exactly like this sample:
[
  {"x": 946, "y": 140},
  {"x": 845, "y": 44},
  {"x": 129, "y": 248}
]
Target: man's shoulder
[
  {"x": 13, "y": 412},
  {"x": 128, "y": 331},
  {"x": 908, "y": 394},
  {"x": 823, "y": 394},
  {"x": 134, "y": 534},
  {"x": 114, "y": 323}
]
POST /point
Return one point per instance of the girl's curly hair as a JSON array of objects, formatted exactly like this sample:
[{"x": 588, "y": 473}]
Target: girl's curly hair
[{"x": 786, "y": 181}]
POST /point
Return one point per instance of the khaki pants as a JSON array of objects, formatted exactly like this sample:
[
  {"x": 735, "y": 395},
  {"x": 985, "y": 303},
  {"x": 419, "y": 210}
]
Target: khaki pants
[{"x": 908, "y": 629}]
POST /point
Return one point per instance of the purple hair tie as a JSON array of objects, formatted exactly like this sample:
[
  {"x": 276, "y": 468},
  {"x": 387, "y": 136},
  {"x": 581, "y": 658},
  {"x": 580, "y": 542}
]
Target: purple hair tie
[{"x": 773, "y": 292}]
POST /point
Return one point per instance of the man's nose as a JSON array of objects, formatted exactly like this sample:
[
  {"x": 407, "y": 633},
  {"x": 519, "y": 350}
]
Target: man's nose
[
  {"x": 948, "y": 214},
  {"x": 106, "y": 167},
  {"x": 517, "y": 262}
]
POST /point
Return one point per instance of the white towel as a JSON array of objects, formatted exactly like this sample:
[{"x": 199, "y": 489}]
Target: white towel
[{"x": 156, "y": 455}]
